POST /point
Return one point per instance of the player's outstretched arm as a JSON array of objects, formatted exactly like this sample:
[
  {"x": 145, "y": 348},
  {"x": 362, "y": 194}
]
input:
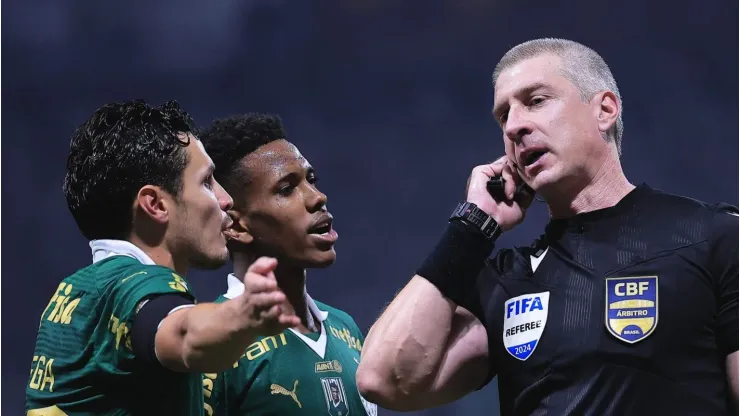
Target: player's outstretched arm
[
  {"x": 210, "y": 337},
  {"x": 423, "y": 351}
]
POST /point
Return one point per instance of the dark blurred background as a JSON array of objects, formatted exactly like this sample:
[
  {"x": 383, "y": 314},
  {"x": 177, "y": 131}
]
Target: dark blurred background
[{"x": 389, "y": 100}]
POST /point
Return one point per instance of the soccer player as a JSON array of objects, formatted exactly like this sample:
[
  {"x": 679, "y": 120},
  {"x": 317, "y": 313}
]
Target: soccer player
[
  {"x": 626, "y": 305},
  {"x": 279, "y": 212},
  {"x": 123, "y": 336}
]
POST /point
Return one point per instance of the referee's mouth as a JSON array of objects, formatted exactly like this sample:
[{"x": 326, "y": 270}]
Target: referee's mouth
[{"x": 531, "y": 155}]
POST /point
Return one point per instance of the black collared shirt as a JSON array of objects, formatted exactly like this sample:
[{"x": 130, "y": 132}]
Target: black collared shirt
[{"x": 628, "y": 310}]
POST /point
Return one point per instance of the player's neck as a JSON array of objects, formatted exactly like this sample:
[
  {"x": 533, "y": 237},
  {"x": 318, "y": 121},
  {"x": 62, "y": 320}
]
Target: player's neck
[
  {"x": 602, "y": 189},
  {"x": 160, "y": 255},
  {"x": 291, "y": 280}
]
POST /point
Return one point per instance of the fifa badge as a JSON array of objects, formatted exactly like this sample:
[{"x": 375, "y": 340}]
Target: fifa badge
[{"x": 525, "y": 317}]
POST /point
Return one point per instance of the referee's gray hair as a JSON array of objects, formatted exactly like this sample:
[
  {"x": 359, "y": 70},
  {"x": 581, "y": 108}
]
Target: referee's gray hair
[{"x": 581, "y": 65}]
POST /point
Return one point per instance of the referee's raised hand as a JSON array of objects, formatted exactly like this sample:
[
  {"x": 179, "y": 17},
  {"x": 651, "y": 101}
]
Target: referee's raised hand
[
  {"x": 261, "y": 301},
  {"x": 508, "y": 212}
]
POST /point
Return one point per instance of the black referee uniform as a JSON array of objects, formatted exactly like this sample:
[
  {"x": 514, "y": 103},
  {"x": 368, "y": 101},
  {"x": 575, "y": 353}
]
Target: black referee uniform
[{"x": 628, "y": 310}]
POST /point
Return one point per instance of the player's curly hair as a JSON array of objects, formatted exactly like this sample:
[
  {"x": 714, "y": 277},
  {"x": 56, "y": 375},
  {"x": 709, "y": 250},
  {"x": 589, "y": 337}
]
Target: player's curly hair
[
  {"x": 121, "y": 148},
  {"x": 229, "y": 140}
]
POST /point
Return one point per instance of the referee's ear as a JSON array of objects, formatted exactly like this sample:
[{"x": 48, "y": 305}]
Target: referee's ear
[
  {"x": 239, "y": 230},
  {"x": 606, "y": 107}
]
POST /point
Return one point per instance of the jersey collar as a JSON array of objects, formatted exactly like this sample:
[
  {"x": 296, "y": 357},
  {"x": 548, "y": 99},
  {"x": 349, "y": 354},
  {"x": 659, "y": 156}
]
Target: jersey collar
[
  {"x": 102, "y": 249},
  {"x": 236, "y": 288}
]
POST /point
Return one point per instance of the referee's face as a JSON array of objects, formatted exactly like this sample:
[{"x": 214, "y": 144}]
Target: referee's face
[
  {"x": 550, "y": 132},
  {"x": 282, "y": 211}
]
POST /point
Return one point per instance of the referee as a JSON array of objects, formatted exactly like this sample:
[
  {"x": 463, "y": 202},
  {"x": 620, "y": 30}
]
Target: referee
[{"x": 626, "y": 305}]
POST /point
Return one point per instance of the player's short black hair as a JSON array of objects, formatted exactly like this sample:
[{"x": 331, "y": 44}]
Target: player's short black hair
[
  {"x": 229, "y": 140},
  {"x": 122, "y": 147}
]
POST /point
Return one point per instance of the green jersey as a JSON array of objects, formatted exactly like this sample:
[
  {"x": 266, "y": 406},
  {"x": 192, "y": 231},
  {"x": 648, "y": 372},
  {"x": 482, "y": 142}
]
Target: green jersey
[
  {"x": 83, "y": 363},
  {"x": 294, "y": 374}
]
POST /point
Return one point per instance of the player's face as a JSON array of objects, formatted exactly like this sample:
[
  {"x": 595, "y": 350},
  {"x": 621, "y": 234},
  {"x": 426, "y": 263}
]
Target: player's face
[
  {"x": 200, "y": 216},
  {"x": 549, "y": 131},
  {"x": 283, "y": 209}
]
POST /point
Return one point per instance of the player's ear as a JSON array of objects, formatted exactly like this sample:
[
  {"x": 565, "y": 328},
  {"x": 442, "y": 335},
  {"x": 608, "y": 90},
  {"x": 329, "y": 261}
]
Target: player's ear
[
  {"x": 155, "y": 203},
  {"x": 607, "y": 110},
  {"x": 239, "y": 230}
]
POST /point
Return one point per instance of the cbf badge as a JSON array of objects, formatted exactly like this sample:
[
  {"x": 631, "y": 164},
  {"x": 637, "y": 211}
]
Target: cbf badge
[
  {"x": 631, "y": 307},
  {"x": 336, "y": 398},
  {"x": 525, "y": 317}
]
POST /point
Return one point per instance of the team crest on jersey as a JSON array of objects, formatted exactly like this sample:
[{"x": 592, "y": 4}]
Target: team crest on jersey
[
  {"x": 335, "y": 395},
  {"x": 525, "y": 317},
  {"x": 631, "y": 307}
]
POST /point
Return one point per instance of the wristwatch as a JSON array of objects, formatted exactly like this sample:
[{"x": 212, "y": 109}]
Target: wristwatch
[{"x": 470, "y": 214}]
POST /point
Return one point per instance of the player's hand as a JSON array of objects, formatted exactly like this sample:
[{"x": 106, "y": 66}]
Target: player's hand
[
  {"x": 260, "y": 303},
  {"x": 508, "y": 212}
]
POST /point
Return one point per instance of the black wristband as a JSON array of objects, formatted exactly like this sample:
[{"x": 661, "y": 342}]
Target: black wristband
[{"x": 456, "y": 261}]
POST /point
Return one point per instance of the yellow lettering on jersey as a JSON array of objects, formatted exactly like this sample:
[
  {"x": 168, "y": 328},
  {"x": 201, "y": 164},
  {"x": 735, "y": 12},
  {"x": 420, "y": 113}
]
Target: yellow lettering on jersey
[
  {"x": 120, "y": 330},
  {"x": 208, "y": 380},
  {"x": 255, "y": 350},
  {"x": 266, "y": 343},
  {"x": 66, "y": 316},
  {"x": 46, "y": 411},
  {"x": 347, "y": 337},
  {"x": 335, "y": 332},
  {"x": 42, "y": 374},
  {"x": 178, "y": 283},
  {"x": 262, "y": 346},
  {"x": 61, "y": 301},
  {"x": 53, "y": 299},
  {"x": 63, "y": 305}
]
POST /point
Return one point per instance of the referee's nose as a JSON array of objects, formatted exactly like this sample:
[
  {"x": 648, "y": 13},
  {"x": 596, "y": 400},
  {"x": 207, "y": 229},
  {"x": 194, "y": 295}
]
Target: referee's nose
[{"x": 517, "y": 124}]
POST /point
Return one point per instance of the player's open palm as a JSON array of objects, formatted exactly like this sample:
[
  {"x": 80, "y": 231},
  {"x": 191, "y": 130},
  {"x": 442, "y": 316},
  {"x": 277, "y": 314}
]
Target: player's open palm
[
  {"x": 508, "y": 212},
  {"x": 261, "y": 300}
]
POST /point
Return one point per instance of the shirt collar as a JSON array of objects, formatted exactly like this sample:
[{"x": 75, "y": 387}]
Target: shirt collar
[{"x": 102, "y": 249}]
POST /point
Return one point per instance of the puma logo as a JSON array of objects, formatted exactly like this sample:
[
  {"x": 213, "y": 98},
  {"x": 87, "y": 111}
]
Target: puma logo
[{"x": 278, "y": 389}]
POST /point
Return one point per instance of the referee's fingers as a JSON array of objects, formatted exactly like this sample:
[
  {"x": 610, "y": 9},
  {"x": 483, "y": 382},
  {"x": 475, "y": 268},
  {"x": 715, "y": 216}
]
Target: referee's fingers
[
  {"x": 491, "y": 169},
  {"x": 510, "y": 182},
  {"x": 482, "y": 173}
]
